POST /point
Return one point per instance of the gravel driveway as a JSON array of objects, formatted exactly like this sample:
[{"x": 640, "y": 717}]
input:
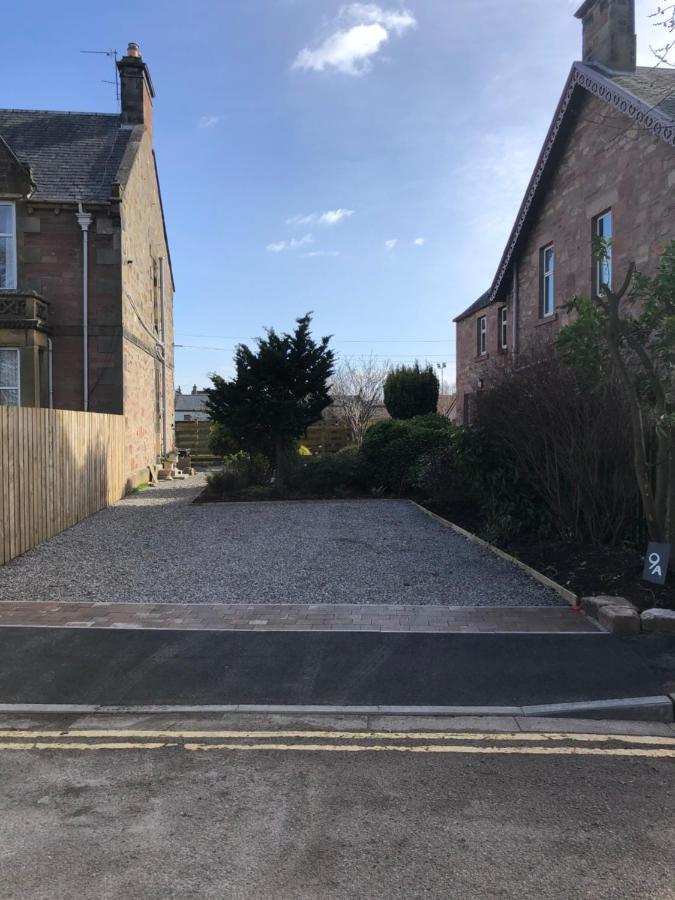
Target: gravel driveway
[{"x": 160, "y": 547}]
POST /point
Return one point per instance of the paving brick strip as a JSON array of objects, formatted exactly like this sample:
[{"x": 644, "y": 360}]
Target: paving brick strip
[{"x": 297, "y": 617}]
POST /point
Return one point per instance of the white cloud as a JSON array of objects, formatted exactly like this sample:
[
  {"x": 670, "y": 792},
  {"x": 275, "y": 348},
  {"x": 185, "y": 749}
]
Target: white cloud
[
  {"x": 393, "y": 20},
  {"x": 293, "y": 244},
  {"x": 333, "y": 216},
  {"x": 420, "y": 241},
  {"x": 330, "y": 217},
  {"x": 350, "y": 50},
  {"x": 314, "y": 253},
  {"x": 208, "y": 121},
  {"x": 391, "y": 243}
]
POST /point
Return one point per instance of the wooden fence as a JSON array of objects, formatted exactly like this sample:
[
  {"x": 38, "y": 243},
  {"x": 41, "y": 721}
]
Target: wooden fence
[
  {"x": 326, "y": 437},
  {"x": 194, "y": 436},
  {"x": 56, "y": 468}
]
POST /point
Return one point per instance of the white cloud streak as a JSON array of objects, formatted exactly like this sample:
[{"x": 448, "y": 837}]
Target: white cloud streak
[
  {"x": 314, "y": 253},
  {"x": 208, "y": 121},
  {"x": 293, "y": 244},
  {"x": 330, "y": 217},
  {"x": 350, "y": 50},
  {"x": 391, "y": 243},
  {"x": 420, "y": 241}
]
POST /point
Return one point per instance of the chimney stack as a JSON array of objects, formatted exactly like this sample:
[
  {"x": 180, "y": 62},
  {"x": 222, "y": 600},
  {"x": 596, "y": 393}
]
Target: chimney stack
[
  {"x": 136, "y": 88},
  {"x": 609, "y": 33}
]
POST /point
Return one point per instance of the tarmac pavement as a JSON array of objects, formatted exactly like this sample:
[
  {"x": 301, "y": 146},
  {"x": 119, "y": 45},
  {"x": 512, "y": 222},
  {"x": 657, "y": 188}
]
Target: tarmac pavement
[{"x": 117, "y": 667}]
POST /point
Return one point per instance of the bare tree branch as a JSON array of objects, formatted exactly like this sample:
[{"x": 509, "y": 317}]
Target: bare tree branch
[
  {"x": 665, "y": 18},
  {"x": 357, "y": 391}
]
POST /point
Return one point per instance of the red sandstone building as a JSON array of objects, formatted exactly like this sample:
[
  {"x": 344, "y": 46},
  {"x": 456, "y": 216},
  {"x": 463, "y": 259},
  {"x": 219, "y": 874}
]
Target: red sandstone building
[
  {"x": 607, "y": 169},
  {"x": 86, "y": 289}
]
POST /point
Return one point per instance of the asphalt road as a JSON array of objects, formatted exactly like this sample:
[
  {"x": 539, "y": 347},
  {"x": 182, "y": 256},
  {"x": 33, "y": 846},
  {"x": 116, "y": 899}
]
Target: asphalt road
[
  {"x": 294, "y": 824},
  {"x": 119, "y": 667}
]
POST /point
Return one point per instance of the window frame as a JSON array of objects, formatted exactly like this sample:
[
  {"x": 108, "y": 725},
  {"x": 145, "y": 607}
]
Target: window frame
[
  {"x": 503, "y": 320},
  {"x": 599, "y": 264},
  {"x": 546, "y": 278},
  {"x": 17, "y": 387},
  {"x": 11, "y": 286},
  {"x": 481, "y": 335}
]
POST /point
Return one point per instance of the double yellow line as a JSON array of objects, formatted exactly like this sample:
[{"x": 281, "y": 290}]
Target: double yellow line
[{"x": 431, "y": 742}]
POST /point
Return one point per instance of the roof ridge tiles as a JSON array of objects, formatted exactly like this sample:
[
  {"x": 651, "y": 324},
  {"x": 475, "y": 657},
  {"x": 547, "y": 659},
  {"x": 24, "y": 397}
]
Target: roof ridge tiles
[{"x": 60, "y": 112}]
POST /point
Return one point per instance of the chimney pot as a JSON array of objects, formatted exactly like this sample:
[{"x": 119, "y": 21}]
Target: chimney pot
[
  {"x": 194, "y": 388},
  {"x": 134, "y": 50}
]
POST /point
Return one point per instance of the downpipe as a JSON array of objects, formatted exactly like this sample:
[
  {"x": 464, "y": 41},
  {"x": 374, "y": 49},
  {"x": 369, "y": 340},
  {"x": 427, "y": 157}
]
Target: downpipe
[
  {"x": 165, "y": 424},
  {"x": 84, "y": 220}
]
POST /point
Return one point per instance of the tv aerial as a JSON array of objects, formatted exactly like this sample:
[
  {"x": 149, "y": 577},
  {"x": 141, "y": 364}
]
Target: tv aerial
[{"x": 111, "y": 54}]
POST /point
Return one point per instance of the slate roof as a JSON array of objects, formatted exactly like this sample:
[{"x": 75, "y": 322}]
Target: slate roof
[
  {"x": 656, "y": 87},
  {"x": 72, "y": 156},
  {"x": 481, "y": 303},
  {"x": 191, "y": 402}
]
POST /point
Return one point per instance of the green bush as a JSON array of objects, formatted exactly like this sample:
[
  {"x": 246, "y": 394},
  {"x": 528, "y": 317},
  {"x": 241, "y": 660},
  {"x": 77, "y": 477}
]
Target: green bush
[
  {"x": 411, "y": 391},
  {"x": 439, "y": 483},
  {"x": 330, "y": 475},
  {"x": 394, "y": 450},
  {"x": 240, "y": 471},
  {"x": 225, "y": 482},
  {"x": 221, "y": 442},
  {"x": 486, "y": 476}
]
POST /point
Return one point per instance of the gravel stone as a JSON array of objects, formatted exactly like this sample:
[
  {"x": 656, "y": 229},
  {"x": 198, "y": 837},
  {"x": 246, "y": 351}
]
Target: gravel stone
[{"x": 159, "y": 547}]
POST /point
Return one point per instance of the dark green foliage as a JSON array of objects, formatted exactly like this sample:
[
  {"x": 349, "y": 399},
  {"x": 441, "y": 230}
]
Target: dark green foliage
[
  {"x": 393, "y": 450},
  {"x": 278, "y": 391},
  {"x": 632, "y": 331},
  {"x": 330, "y": 475},
  {"x": 490, "y": 478},
  {"x": 239, "y": 472},
  {"x": 226, "y": 482},
  {"x": 221, "y": 442},
  {"x": 411, "y": 391}
]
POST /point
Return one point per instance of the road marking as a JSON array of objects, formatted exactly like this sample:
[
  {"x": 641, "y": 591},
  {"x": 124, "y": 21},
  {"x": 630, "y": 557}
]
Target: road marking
[
  {"x": 531, "y": 737},
  {"x": 642, "y": 753}
]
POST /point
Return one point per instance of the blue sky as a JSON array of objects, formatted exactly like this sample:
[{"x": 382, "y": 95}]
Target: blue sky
[{"x": 364, "y": 161}]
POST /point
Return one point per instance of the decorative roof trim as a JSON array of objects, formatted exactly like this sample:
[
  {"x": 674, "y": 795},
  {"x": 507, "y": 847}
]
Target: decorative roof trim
[
  {"x": 650, "y": 117},
  {"x": 599, "y": 86}
]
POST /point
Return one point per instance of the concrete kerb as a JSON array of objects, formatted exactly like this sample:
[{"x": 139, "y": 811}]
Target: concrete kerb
[
  {"x": 635, "y": 709},
  {"x": 569, "y": 596}
]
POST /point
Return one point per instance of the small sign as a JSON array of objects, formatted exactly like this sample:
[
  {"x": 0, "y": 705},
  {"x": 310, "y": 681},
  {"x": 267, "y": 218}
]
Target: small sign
[{"x": 656, "y": 563}]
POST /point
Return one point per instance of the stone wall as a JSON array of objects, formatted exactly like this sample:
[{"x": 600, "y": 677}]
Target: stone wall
[
  {"x": 143, "y": 245},
  {"x": 605, "y": 162},
  {"x": 49, "y": 261}
]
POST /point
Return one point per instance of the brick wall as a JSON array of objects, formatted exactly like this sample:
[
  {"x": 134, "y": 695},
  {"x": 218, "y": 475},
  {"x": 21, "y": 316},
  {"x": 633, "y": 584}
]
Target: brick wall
[
  {"x": 143, "y": 245},
  {"x": 606, "y": 161}
]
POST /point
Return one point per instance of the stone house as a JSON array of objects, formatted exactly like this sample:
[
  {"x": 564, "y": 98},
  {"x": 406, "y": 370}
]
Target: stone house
[
  {"x": 191, "y": 407},
  {"x": 607, "y": 169},
  {"x": 86, "y": 286}
]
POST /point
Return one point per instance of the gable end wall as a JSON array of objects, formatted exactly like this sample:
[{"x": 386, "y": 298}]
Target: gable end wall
[{"x": 608, "y": 161}]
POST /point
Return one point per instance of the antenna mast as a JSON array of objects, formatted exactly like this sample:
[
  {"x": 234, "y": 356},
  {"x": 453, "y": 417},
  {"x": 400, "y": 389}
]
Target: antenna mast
[{"x": 112, "y": 54}]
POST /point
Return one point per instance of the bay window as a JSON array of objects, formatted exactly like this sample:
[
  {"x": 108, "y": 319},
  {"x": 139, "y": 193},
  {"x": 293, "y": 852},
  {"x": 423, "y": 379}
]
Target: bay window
[{"x": 10, "y": 390}]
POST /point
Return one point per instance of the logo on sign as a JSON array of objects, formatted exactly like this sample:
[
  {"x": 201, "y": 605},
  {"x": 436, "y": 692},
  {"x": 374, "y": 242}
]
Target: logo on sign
[{"x": 656, "y": 563}]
